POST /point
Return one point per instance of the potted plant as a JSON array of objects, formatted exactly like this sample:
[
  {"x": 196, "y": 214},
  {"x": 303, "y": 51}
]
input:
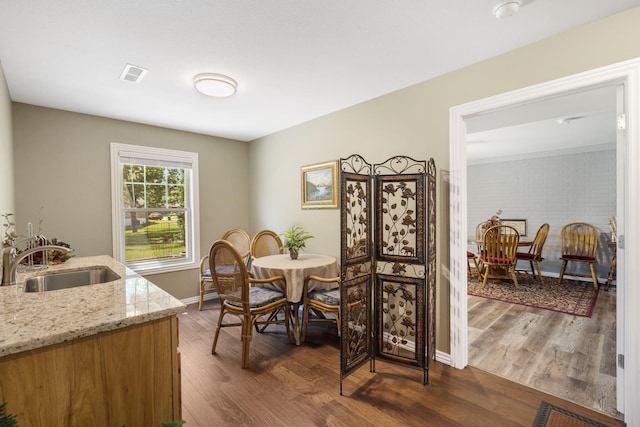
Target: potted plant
[{"x": 295, "y": 239}]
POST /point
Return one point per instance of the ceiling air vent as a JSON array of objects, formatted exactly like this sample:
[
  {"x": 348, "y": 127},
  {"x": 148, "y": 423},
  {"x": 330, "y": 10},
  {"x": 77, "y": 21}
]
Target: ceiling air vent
[{"x": 133, "y": 73}]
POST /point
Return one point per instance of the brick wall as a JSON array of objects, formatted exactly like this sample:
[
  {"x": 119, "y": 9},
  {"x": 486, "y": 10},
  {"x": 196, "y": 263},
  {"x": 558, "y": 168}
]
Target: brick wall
[{"x": 557, "y": 190}]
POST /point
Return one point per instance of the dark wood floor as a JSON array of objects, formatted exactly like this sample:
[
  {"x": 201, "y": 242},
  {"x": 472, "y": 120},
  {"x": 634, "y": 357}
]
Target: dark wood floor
[{"x": 287, "y": 385}]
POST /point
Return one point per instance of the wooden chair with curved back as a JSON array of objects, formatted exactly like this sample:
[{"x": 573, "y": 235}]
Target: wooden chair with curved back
[
  {"x": 498, "y": 256},
  {"x": 534, "y": 255},
  {"x": 239, "y": 298},
  {"x": 266, "y": 242},
  {"x": 579, "y": 243},
  {"x": 239, "y": 239},
  {"x": 324, "y": 302}
]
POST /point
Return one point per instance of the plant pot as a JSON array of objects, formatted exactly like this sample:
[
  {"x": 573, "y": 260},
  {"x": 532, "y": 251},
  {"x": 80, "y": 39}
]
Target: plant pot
[{"x": 293, "y": 253}]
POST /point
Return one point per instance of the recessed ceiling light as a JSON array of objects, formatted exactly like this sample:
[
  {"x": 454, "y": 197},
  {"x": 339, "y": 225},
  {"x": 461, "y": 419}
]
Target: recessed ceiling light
[
  {"x": 217, "y": 85},
  {"x": 506, "y": 8}
]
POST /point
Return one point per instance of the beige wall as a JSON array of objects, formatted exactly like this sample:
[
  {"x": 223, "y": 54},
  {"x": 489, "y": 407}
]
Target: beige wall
[
  {"x": 415, "y": 122},
  {"x": 62, "y": 163},
  {"x": 6, "y": 150}
]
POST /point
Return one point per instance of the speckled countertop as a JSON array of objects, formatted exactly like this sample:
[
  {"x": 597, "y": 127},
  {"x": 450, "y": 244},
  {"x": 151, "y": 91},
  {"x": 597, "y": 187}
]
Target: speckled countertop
[{"x": 29, "y": 320}]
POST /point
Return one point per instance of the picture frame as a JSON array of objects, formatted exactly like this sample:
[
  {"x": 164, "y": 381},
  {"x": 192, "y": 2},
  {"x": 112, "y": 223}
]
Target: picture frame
[
  {"x": 320, "y": 185},
  {"x": 519, "y": 224}
]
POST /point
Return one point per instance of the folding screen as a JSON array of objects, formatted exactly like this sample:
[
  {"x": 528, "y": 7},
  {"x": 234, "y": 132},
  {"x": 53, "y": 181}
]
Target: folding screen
[{"x": 388, "y": 274}]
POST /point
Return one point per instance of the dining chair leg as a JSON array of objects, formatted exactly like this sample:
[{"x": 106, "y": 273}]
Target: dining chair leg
[
  {"x": 564, "y": 265},
  {"x": 287, "y": 324},
  {"x": 246, "y": 340},
  {"x": 201, "y": 295},
  {"x": 305, "y": 322},
  {"x": 215, "y": 337},
  {"x": 539, "y": 271},
  {"x": 593, "y": 275},
  {"x": 515, "y": 279},
  {"x": 486, "y": 274}
]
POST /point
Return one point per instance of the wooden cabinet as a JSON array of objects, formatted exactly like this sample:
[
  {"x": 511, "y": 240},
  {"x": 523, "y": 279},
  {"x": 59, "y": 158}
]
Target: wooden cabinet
[{"x": 126, "y": 377}]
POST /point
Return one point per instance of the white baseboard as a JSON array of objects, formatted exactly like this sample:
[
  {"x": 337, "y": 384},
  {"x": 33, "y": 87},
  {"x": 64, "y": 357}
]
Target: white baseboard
[{"x": 196, "y": 299}]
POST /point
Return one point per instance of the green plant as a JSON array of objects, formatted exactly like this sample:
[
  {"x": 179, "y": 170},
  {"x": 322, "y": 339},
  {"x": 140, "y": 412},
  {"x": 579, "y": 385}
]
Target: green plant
[
  {"x": 295, "y": 238},
  {"x": 7, "y": 420}
]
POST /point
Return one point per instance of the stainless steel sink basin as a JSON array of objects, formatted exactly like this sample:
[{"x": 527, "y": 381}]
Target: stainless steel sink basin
[{"x": 69, "y": 279}]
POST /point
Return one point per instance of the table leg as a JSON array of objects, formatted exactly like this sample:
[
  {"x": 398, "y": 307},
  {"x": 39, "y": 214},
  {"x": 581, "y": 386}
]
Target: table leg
[{"x": 296, "y": 321}]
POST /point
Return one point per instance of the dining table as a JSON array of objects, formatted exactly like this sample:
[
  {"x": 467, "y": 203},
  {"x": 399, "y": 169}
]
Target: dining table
[{"x": 295, "y": 272}]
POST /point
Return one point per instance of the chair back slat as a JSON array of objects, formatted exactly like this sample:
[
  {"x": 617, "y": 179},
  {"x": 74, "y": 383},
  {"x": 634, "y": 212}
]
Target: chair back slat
[
  {"x": 500, "y": 245},
  {"x": 579, "y": 239},
  {"x": 539, "y": 241}
]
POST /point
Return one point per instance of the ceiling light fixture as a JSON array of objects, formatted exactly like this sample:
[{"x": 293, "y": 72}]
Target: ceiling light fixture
[
  {"x": 217, "y": 85},
  {"x": 506, "y": 8}
]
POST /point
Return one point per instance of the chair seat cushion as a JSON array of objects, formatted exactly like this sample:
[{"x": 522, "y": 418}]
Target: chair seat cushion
[
  {"x": 325, "y": 296},
  {"x": 495, "y": 260},
  {"x": 525, "y": 255},
  {"x": 259, "y": 297},
  {"x": 470, "y": 254},
  {"x": 578, "y": 258},
  {"x": 227, "y": 268}
]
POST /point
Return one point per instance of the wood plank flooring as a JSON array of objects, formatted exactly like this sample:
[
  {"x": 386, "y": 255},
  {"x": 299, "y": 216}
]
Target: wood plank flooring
[
  {"x": 287, "y": 385},
  {"x": 568, "y": 356}
]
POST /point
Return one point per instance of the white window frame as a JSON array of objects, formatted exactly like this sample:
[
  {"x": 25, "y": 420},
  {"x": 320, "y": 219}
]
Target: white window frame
[{"x": 192, "y": 222}]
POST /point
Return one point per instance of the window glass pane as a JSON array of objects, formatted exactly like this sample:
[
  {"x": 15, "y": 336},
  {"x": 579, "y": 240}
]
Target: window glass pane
[
  {"x": 176, "y": 196},
  {"x": 132, "y": 173},
  {"x": 175, "y": 176},
  {"x": 156, "y": 236},
  {"x": 155, "y": 174},
  {"x": 156, "y": 196},
  {"x": 133, "y": 196}
]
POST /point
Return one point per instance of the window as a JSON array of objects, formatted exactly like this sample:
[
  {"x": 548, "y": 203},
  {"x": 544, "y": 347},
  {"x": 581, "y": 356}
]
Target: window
[{"x": 155, "y": 208}]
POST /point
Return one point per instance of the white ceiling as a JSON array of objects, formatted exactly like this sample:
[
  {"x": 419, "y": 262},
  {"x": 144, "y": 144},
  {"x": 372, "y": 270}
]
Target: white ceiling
[
  {"x": 576, "y": 122},
  {"x": 294, "y": 60}
]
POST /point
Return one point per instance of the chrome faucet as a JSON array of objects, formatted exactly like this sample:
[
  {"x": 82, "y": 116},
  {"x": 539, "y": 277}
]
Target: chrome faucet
[{"x": 10, "y": 260}]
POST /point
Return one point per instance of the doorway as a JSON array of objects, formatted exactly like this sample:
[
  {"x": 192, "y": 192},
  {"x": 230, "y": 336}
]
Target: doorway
[{"x": 628, "y": 207}]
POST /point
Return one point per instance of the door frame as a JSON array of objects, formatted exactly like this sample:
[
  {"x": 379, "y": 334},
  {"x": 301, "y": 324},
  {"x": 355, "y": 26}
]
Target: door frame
[{"x": 627, "y": 73}]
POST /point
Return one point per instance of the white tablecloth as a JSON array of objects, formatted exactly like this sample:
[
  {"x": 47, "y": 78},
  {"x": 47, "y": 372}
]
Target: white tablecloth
[{"x": 296, "y": 271}]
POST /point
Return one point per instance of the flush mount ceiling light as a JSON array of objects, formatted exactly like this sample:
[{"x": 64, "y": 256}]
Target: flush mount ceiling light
[
  {"x": 506, "y": 8},
  {"x": 217, "y": 85}
]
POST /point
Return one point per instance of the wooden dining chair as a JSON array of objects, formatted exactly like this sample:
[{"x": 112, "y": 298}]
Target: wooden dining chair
[
  {"x": 251, "y": 305},
  {"x": 264, "y": 243},
  {"x": 323, "y": 302},
  {"x": 498, "y": 256},
  {"x": 579, "y": 243},
  {"x": 240, "y": 239},
  {"x": 534, "y": 254}
]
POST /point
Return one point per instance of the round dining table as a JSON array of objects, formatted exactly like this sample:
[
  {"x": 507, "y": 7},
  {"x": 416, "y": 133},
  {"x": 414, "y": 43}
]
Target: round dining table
[{"x": 295, "y": 271}]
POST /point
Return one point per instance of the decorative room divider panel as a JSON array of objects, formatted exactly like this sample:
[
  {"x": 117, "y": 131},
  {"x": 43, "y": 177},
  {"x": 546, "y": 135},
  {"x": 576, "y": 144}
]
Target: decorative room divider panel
[{"x": 388, "y": 276}]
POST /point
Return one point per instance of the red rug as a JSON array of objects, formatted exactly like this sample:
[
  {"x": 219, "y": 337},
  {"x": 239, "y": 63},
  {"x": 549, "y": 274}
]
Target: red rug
[{"x": 572, "y": 297}]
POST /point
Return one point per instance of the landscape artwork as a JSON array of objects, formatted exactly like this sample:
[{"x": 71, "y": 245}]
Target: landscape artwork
[{"x": 320, "y": 185}]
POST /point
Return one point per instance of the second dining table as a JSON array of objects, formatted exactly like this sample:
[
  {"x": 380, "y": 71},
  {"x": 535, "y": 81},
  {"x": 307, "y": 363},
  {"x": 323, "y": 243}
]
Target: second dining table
[{"x": 295, "y": 271}]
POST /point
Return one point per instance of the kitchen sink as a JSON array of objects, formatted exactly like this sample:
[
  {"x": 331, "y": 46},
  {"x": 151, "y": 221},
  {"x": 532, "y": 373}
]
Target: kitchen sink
[{"x": 69, "y": 279}]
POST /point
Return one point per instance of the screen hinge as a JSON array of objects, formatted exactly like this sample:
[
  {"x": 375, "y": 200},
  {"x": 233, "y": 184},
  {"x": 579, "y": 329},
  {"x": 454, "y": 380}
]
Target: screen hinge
[
  {"x": 621, "y": 361},
  {"x": 622, "y": 122}
]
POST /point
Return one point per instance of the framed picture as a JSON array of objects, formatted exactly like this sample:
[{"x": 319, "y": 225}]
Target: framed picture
[
  {"x": 519, "y": 224},
  {"x": 320, "y": 186}
]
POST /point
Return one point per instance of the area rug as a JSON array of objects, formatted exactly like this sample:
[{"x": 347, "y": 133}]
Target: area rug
[
  {"x": 572, "y": 297},
  {"x": 552, "y": 416}
]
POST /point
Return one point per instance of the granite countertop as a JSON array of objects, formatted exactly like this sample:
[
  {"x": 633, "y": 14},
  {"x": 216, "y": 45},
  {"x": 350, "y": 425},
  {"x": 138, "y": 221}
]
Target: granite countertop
[{"x": 30, "y": 320}]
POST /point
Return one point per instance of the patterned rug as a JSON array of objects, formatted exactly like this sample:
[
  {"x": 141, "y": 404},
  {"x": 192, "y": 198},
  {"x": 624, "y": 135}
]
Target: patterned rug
[
  {"x": 572, "y": 297},
  {"x": 552, "y": 416}
]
